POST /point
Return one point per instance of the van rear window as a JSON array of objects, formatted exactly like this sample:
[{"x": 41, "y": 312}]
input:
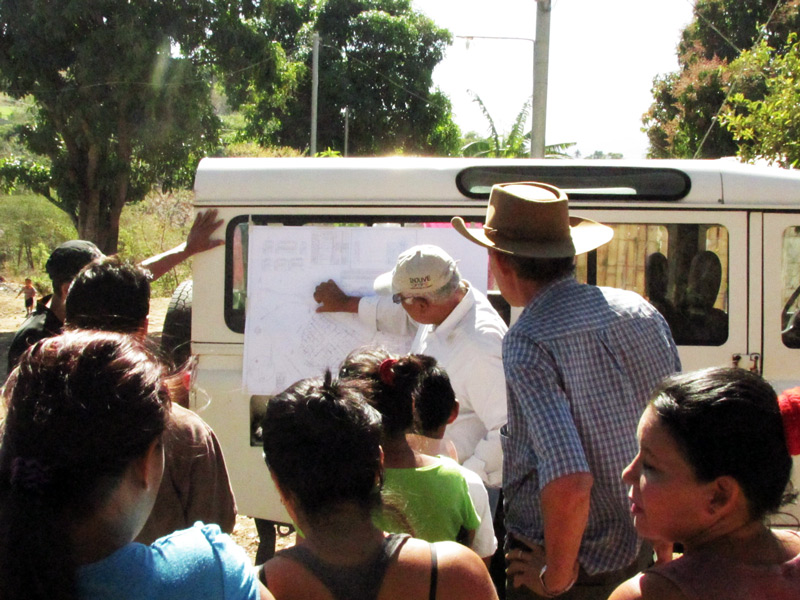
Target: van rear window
[{"x": 582, "y": 182}]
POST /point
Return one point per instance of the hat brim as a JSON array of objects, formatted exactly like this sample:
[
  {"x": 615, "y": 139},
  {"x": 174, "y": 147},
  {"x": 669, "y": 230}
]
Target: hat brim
[{"x": 586, "y": 235}]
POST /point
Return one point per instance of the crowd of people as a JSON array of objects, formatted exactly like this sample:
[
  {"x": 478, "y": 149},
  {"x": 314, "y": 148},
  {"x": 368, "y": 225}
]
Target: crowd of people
[{"x": 567, "y": 456}]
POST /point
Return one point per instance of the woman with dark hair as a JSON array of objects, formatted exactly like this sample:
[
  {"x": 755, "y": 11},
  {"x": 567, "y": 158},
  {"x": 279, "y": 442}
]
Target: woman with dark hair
[
  {"x": 713, "y": 462},
  {"x": 81, "y": 460},
  {"x": 430, "y": 495},
  {"x": 322, "y": 447}
]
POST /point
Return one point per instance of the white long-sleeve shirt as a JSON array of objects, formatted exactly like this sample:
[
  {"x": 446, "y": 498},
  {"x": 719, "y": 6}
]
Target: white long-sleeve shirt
[{"x": 468, "y": 345}]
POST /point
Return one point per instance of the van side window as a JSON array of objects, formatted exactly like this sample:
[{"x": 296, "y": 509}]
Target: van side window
[
  {"x": 236, "y": 245},
  {"x": 682, "y": 269},
  {"x": 790, "y": 297}
]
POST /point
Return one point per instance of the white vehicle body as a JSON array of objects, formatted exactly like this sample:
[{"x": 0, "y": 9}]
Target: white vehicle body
[{"x": 749, "y": 217}]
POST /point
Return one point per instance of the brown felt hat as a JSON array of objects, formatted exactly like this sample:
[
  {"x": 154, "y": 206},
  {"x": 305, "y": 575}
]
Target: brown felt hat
[{"x": 532, "y": 219}]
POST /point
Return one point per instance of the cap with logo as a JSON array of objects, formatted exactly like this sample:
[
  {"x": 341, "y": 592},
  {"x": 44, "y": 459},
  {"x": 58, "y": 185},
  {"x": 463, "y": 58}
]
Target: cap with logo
[{"x": 419, "y": 270}]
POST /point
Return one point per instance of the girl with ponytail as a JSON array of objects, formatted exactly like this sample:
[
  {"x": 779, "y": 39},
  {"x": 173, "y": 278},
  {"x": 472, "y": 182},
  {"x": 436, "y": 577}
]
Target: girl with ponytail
[{"x": 431, "y": 493}]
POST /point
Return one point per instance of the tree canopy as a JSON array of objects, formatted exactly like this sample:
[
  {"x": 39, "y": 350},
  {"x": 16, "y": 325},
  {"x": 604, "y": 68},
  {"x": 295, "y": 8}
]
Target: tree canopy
[
  {"x": 768, "y": 127},
  {"x": 121, "y": 94},
  {"x": 683, "y": 119},
  {"x": 376, "y": 60}
]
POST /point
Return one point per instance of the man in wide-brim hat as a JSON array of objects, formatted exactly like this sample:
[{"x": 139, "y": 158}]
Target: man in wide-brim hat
[{"x": 580, "y": 363}]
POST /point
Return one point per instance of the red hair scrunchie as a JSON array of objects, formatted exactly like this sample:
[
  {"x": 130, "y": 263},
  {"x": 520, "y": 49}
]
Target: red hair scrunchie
[
  {"x": 789, "y": 402},
  {"x": 386, "y": 371}
]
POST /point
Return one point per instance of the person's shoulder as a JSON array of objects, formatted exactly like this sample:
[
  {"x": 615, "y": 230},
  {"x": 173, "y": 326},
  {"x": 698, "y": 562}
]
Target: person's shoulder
[
  {"x": 446, "y": 467},
  {"x": 208, "y": 560},
  {"x": 461, "y": 574},
  {"x": 647, "y": 586},
  {"x": 486, "y": 320},
  {"x": 188, "y": 420}
]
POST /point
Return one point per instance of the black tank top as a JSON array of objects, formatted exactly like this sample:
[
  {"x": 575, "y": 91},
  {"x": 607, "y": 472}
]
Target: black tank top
[{"x": 358, "y": 582}]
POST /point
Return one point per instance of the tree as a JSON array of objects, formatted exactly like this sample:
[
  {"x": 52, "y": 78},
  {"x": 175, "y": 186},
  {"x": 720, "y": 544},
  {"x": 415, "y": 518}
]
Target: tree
[
  {"x": 515, "y": 144},
  {"x": 683, "y": 120},
  {"x": 769, "y": 127},
  {"x": 121, "y": 92},
  {"x": 376, "y": 60}
]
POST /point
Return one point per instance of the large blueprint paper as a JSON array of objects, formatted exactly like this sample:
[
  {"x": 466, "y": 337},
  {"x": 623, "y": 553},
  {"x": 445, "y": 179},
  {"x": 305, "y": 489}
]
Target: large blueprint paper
[{"x": 285, "y": 339}]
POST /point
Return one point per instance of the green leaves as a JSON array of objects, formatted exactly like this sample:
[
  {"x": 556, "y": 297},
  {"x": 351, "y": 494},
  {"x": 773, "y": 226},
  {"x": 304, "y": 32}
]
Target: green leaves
[
  {"x": 376, "y": 59},
  {"x": 684, "y": 120},
  {"x": 767, "y": 126},
  {"x": 122, "y": 93}
]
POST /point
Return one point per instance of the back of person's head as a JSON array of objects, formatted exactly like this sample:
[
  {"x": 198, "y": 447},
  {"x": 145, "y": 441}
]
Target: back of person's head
[
  {"x": 705, "y": 277},
  {"x": 656, "y": 276},
  {"x": 81, "y": 407},
  {"x": 393, "y": 382},
  {"x": 322, "y": 444},
  {"x": 540, "y": 270},
  {"x": 728, "y": 423},
  {"x": 68, "y": 259},
  {"x": 109, "y": 294},
  {"x": 434, "y": 398}
]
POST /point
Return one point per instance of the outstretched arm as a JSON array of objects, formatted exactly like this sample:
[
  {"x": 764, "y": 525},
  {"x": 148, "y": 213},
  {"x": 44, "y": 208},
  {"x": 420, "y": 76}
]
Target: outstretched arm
[
  {"x": 332, "y": 299},
  {"x": 199, "y": 240}
]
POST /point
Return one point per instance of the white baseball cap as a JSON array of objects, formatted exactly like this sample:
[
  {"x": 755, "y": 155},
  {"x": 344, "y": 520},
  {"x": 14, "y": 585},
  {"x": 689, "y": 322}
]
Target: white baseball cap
[{"x": 419, "y": 270}]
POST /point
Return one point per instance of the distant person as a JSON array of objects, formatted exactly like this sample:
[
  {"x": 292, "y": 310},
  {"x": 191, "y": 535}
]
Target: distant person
[
  {"x": 70, "y": 257},
  {"x": 580, "y": 362},
  {"x": 435, "y": 406},
  {"x": 29, "y": 293},
  {"x": 714, "y": 461},
  {"x": 322, "y": 446},
  {"x": 456, "y": 324},
  {"x": 431, "y": 495},
  {"x": 81, "y": 460},
  {"x": 112, "y": 295}
]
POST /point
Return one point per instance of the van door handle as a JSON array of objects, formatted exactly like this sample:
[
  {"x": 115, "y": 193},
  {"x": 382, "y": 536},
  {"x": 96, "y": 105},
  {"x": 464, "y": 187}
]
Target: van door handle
[
  {"x": 735, "y": 359},
  {"x": 755, "y": 363}
]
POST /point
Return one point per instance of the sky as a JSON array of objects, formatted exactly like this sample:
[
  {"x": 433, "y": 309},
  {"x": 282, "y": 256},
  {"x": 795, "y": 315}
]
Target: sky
[{"x": 603, "y": 58}]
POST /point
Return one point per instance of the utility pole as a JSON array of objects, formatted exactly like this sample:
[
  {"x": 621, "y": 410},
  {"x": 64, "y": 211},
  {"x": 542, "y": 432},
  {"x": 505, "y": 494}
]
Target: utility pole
[
  {"x": 314, "y": 92},
  {"x": 541, "y": 58}
]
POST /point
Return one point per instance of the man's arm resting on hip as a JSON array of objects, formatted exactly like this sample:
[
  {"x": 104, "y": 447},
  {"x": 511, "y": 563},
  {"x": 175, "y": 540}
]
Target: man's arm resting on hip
[{"x": 565, "y": 510}]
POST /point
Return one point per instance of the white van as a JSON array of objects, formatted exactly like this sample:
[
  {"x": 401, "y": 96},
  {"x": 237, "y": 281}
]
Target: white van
[{"x": 715, "y": 245}]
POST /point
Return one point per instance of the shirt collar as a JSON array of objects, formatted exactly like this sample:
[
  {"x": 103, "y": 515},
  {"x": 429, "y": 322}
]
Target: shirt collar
[
  {"x": 458, "y": 313},
  {"x": 548, "y": 288}
]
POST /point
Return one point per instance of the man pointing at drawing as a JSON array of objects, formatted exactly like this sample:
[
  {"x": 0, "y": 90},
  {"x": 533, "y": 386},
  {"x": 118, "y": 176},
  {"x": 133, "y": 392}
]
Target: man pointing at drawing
[{"x": 425, "y": 296}]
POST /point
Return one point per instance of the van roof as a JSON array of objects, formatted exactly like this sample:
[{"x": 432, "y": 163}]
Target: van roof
[{"x": 467, "y": 181}]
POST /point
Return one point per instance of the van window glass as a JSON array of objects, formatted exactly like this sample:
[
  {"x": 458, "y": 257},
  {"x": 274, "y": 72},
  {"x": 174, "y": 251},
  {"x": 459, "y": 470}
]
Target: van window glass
[
  {"x": 682, "y": 269},
  {"x": 236, "y": 255},
  {"x": 790, "y": 290},
  {"x": 582, "y": 182}
]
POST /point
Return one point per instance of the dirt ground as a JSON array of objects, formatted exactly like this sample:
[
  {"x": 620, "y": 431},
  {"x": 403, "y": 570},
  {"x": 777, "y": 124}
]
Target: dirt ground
[{"x": 12, "y": 314}]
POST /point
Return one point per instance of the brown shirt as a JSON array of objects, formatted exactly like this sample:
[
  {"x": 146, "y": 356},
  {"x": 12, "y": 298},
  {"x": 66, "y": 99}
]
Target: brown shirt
[{"x": 195, "y": 486}]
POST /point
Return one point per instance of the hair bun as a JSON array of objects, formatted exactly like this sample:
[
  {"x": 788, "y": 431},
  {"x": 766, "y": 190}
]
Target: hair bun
[{"x": 789, "y": 402}]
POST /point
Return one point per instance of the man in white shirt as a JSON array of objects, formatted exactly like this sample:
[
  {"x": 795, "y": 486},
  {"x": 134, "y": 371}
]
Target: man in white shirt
[{"x": 457, "y": 325}]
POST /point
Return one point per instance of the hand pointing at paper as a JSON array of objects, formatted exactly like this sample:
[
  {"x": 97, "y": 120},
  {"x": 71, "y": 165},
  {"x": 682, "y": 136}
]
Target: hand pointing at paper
[{"x": 332, "y": 299}]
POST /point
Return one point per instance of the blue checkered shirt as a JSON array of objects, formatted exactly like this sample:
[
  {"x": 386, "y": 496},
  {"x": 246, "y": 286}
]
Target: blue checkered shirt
[{"x": 580, "y": 364}]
